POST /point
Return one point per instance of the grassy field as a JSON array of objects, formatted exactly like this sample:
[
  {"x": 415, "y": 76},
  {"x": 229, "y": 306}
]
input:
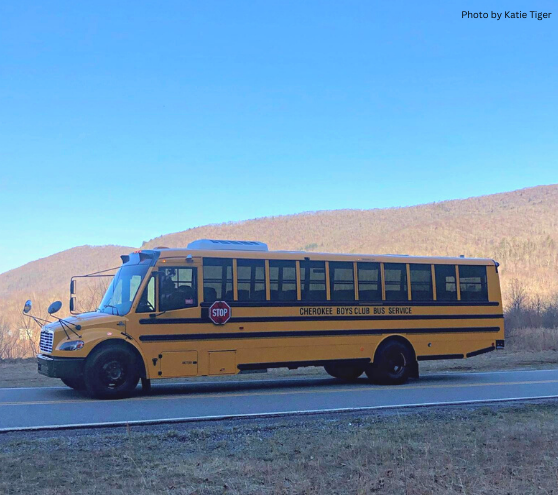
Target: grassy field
[
  {"x": 23, "y": 372},
  {"x": 510, "y": 450}
]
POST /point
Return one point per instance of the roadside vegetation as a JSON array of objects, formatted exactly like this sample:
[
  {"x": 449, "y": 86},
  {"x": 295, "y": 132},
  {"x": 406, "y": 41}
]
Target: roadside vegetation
[{"x": 503, "y": 449}]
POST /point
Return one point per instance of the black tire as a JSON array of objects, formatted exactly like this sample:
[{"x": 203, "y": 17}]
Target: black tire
[
  {"x": 111, "y": 373},
  {"x": 347, "y": 373},
  {"x": 75, "y": 383},
  {"x": 393, "y": 364}
]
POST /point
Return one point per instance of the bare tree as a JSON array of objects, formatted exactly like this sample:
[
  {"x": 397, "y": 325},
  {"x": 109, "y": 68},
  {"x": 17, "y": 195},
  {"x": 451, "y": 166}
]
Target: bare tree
[
  {"x": 8, "y": 341},
  {"x": 29, "y": 334},
  {"x": 91, "y": 293},
  {"x": 518, "y": 296}
]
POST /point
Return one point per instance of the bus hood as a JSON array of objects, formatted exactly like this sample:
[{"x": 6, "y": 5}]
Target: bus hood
[{"x": 87, "y": 320}]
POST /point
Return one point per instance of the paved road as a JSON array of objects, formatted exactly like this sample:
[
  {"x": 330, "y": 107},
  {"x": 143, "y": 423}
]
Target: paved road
[{"x": 63, "y": 407}]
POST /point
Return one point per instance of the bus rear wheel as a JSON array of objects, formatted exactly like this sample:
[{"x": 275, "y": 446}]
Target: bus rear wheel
[
  {"x": 343, "y": 372},
  {"x": 111, "y": 373},
  {"x": 393, "y": 365}
]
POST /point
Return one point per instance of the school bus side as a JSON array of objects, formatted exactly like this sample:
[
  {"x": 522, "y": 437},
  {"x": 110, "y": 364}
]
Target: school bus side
[{"x": 343, "y": 332}]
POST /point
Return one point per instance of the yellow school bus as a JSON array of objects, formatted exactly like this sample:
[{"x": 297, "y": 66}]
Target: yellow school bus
[{"x": 223, "y": 307}]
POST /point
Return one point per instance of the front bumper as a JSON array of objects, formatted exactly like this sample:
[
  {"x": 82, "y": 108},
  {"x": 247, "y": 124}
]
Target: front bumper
[{"x": 57, "y": 367}]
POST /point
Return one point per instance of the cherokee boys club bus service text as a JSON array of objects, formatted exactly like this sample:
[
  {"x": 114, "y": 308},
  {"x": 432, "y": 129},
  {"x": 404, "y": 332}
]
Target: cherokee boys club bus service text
[
  {"x": 357, "y": 310},
  {"x": 225, "y": 307}
]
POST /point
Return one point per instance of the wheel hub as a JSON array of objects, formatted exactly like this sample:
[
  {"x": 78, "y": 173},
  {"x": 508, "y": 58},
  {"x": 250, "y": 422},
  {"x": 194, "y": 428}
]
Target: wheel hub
[
  {"x": 396, "y": 364},
  {"x": 113, "y": 373}
]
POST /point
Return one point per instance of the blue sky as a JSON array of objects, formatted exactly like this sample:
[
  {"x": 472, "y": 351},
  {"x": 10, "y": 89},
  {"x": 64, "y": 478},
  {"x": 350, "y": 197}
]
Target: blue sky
[{"x": 121, "y": 121}]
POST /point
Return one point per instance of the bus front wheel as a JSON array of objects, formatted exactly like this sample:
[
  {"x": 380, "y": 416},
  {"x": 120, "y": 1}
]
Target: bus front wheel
[
  {"x": 393, "y": 365},
  {"x": 111, "y": 373},
  {"x": 347, "y": 373},
  {"x": 75, "y": 383}
]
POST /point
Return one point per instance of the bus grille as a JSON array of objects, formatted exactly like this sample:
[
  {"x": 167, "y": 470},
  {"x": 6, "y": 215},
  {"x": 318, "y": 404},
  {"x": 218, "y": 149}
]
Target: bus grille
[{"x": 45, "y": 344}]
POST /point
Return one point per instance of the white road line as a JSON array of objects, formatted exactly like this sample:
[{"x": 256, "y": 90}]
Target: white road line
[{"x": 224, "y": 417}]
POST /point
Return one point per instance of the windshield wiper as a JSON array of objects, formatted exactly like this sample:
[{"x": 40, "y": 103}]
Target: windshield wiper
[
  {"x": 110, "y": 306},
  {"x": 154, "y": 315}
]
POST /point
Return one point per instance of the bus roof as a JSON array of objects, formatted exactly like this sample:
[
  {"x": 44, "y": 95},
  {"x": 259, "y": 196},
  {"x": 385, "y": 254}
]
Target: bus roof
[{"x": 258, "y": 251}]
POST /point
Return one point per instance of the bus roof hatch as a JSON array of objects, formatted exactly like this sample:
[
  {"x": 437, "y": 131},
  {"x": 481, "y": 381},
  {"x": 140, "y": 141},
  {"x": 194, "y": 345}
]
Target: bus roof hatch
[{"x": 224, "y": 245}]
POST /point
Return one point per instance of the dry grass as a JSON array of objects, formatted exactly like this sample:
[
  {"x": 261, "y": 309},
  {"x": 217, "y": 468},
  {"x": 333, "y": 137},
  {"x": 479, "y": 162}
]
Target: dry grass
[
  {"x": 508, "y": 450},
  {"x": 495, "y": 361},
  {"x": 23, "y": 373},
  {"x": 533, "y": 339}
]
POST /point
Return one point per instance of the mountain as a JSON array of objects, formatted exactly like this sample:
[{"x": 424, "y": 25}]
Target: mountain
[
  {"x": 519, "y": 229},
  {"x": 53, "y": 272},
  {"x": 46, "y": 280}
]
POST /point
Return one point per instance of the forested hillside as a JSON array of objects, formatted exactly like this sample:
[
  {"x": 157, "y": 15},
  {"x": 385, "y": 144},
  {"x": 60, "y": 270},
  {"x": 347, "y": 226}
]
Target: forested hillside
[
  {"x": 44, "y": 281},
  {"x": 53, "y": 272},
  {"x": 519, "y": 229}
]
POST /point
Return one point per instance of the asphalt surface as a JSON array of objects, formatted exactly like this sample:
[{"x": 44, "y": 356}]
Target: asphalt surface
[{"x": 38, "y": 408}]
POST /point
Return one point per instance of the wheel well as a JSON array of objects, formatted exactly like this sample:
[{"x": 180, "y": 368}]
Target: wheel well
[
  {"x": 121, "y": 343},
  {"x": 395, "y": 338}
]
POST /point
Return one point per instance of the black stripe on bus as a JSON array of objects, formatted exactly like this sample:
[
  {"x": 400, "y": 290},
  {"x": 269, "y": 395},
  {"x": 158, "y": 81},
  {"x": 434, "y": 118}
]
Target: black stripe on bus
[
  {"x": 302, "y": 364},
  {"x": 481, "y": 351},
  {"x": 290, "y": 304},
  {"x": 435, "y": 357},
  {"x": 307, "y": 333},
  {"x": 278, "y": 319}
]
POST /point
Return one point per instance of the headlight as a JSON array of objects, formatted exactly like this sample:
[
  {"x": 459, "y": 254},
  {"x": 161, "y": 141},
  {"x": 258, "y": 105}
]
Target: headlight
[{"x": 72, "y": 345}]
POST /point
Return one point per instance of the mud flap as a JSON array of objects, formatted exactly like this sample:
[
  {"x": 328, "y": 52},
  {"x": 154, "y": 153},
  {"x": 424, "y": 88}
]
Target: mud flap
[{"x": 414, "y": 372}]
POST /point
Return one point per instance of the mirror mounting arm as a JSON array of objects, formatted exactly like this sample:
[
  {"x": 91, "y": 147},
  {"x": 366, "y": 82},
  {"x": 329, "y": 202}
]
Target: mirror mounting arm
[{"x": 39, "y": 321}]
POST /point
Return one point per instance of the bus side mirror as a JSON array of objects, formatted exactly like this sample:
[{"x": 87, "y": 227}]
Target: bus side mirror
[
  {"x": 72, "y": 287},
  {"x": 54, "y": 307},
  {"x": 72, "y": 303},
  {"x": 27, "y": 306}
]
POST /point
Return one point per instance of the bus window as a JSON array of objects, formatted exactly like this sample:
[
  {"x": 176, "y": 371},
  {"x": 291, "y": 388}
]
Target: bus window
[
  {"x": 472, "y": 282},
  {"x": 282, "y": 280},
  {"x": 446, "y": 288},
  {"x": 177, "y": 288},
  {"x": 396, "y": 281},
  {"x": 251, "y": 280},
  {"x": 421, "y": 282},
  {"x": 369, "y": 282},
  {"x": 147, "y": 302},
  {"x": 217, "y": 279},
  {"x": 341, "y": 281},
  {"x": 312, "y": 280}
]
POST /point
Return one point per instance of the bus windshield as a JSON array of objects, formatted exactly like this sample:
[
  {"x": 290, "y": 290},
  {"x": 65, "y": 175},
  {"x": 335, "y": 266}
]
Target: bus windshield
[{"x": 122, "y": 290}]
